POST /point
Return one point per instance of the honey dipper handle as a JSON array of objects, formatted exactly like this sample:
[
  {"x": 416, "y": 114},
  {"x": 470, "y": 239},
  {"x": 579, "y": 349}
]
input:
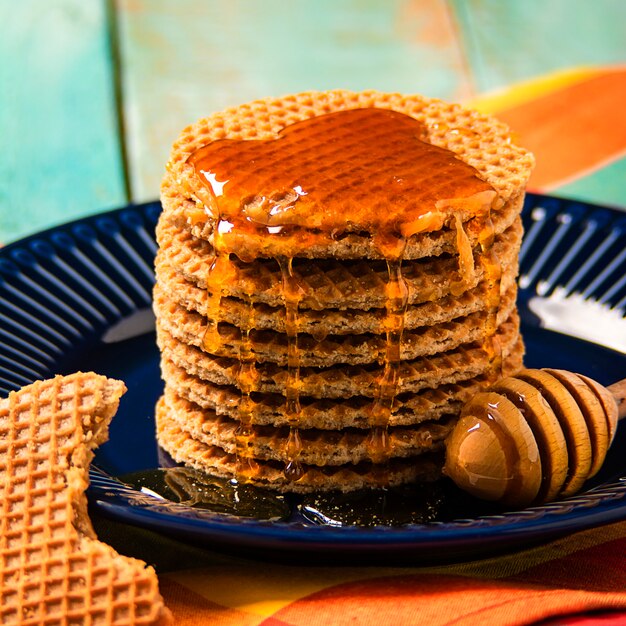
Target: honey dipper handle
[{"x": 618, "y": 391}]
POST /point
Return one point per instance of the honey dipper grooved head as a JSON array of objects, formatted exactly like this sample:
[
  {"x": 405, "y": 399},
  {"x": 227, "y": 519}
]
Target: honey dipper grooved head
[{"x": 533, "y": 437}]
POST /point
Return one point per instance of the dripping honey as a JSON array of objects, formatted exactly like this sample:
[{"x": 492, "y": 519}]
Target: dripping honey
[
  {"x": 355, "y": 171},
  {"x": 361, "y": 170},
  {"x": 291, "y": 294}
]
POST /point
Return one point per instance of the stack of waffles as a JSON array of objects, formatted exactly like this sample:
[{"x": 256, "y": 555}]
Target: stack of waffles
[{"x": 335, "y": 277}]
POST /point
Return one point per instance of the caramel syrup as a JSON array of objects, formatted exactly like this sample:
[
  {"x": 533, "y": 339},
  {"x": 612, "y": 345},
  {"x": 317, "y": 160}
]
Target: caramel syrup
[
  {"x": 492, "y": 269},
  {"x": 361, "y": 170},
  {"x": 248, "y": 380},
  {"x": 291, "y": 295},
  {"x": 397, "y": 297},
  {"x": 221, "y": 271},
  {"x": 467, "y": 269}
]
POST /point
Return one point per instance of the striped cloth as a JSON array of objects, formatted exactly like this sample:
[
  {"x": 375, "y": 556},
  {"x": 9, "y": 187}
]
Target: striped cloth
[
  {"x": 579, "y": 579},
  {"x": 574, "y": 123}
]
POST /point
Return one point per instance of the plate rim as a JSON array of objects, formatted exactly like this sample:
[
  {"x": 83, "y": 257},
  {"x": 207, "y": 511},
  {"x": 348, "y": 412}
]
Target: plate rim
[{"x": 550, "y": 520}]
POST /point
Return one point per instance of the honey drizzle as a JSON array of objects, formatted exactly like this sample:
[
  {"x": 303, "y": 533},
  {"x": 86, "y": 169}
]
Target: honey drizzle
[
  {"x": 492, "y": 269},
  {"x": 221, "y": 271},
  {"x": 396, "y": 301},
  {"x": 292, "y": 295},
  {"x": 365, "y": 170},
  {"x": 467, "y": 269},
  {"x": 247, "y": 380}
]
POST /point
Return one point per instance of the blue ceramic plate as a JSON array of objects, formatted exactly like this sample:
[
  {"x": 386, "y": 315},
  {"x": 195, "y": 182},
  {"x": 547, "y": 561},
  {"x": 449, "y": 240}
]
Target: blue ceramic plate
[{"x": 78, "y": 297}]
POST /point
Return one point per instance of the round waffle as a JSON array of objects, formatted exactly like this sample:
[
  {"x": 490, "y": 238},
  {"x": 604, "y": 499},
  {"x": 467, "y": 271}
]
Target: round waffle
[
  {"x": 476, "y": 139},
  {"x": 345, "y": 381},
  {"x": 183, "y": 448},
  {"x": 319, "y": 447},
  {"x": 327, "y": 283}
]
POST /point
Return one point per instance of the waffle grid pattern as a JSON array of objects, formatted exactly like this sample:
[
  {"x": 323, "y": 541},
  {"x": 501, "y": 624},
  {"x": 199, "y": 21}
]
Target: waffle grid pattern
[
  {"x": 320, "y": 447},
  {"x": 271, "y": 347},
  {"x": 346, "y": 381},
  {"x": 178, "y": 208},
  {"x": 236, "y": 311},
  {"x": 215, "y": 461},
  {"x": 346, "y": 275},
  {"x": 325, "y": 283},
  {"x": 52, "y": 568},
  {"x": 430, "y": 404},
  {"x": 478, "y": 139}
]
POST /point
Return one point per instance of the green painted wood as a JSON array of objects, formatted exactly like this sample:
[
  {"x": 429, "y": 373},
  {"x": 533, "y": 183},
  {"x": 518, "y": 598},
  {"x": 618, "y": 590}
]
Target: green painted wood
[
  {"x": 506, "y": 41},
  {"x": 604, "y": 186},
  {"x": 61, "y": 154},
  {"x": 183, "y": 59}
]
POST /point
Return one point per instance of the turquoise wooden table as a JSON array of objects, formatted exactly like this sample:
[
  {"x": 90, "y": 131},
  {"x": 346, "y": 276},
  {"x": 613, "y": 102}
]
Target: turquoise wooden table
[{"x": 93, "y": 92}]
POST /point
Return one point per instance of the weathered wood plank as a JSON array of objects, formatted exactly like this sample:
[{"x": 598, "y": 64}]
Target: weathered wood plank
[
  {"x": 506, "y": 42},
  {"x": 61, "y": 156},
  {"x": 184, "y": 59},
  {"x": 604, "y": 185}
]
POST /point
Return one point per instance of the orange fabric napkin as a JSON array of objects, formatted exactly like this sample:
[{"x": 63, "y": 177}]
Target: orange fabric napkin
[{"x": 582, "y": 574}]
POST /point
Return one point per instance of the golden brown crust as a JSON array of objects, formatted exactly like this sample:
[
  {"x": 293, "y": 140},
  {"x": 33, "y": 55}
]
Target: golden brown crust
[
  {"x": 340, "y": 318},
  {"x": 52, "y": 567},
  {"x": 212, "y": 459},
  {"x": 328, "y": 283},
  {"x": 356, "y": 349},
  {"x": 330, "y": 321},
  {"x": 338, "y": 382},
  {"x": 429, "y": 404},
  {"x": 320, "y": 447}
]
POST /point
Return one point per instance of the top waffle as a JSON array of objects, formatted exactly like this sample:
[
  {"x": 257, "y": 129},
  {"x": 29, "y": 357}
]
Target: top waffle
[{"x": 500, "y": 172}]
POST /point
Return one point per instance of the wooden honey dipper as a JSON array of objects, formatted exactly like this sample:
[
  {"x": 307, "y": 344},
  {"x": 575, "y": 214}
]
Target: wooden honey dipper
[{"x": 534, "y": 437}]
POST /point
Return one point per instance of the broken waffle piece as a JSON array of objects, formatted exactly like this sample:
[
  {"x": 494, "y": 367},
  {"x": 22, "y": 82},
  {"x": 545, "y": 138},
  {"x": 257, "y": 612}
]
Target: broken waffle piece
[{"x": 53, "y": 569}]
